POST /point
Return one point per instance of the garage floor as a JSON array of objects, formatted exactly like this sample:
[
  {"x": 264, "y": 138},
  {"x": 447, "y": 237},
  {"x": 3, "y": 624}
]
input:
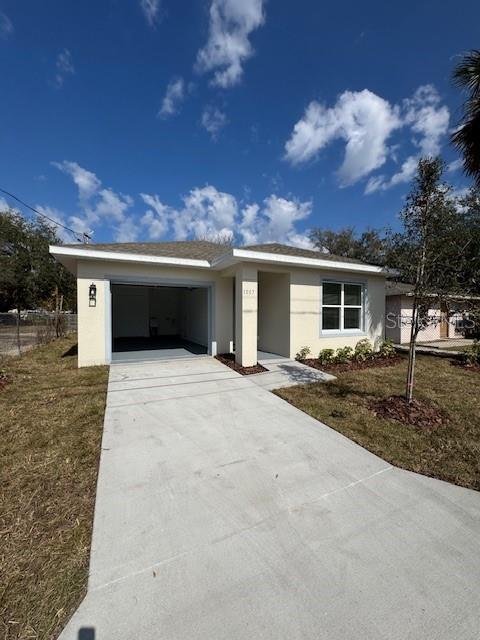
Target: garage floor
[
  {"x": 224, "y": 513},
  {"x": 155, "y": 348}
]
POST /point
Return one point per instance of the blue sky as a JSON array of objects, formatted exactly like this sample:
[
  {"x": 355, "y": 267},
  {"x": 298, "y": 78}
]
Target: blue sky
[{"x": 175, "y": 119}]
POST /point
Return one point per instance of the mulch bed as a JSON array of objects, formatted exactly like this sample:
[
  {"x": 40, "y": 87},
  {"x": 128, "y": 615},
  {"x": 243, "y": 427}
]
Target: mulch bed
[
  {"x": 229, "y": 360},
  {"x": 420, "y": 414},
  {"x": 466, "y": 365},
  {"x": 353, "y": 365}
]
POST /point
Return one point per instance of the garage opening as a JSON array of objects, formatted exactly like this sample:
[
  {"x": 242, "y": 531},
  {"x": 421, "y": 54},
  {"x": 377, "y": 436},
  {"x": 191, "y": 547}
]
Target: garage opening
[{"x": 159, "y": 321}]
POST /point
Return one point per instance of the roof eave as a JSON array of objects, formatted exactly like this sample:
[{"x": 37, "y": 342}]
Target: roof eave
[
  {"x": 63, "y": 254},
  {"x": 244, "y": 255}
]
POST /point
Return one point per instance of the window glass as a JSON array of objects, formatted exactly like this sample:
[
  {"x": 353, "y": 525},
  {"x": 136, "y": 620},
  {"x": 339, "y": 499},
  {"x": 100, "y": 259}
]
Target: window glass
[
  {"x": 332, "y": 293},
  {"x": 351, "y": 318},
  {"x": 353, "y": 295},
  {"x": 331, "y": 318}
]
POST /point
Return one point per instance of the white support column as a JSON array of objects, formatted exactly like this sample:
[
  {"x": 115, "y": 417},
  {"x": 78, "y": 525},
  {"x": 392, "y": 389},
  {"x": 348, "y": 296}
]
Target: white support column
[{"x": 246, "y": 302}]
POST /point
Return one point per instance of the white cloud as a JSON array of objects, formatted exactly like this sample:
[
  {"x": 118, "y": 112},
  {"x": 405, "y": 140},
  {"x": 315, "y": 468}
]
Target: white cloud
[
  {"x": 112, "y": 205},
  {"x": 365, "y": 122},
  {"x": 228, "y": 45},
  {"x": 98, "y": 205},
  {"x": 428, "y": 121},
  {"x": 57, "y": 216},
  {"x": 205, "y": 213},
  {"x": 174, "y": 96},
  {"x": 152, "y": 10},
  {"x": 64, "y": 67},
  {"x": 6, "y": 26},
  {"x": 127, "y": 230},
  {"x": 426, "y": 118},
  {"x": 274, "y": 222},
  {"x": 405, "y": 174},
  {"x": 362, "y": 119},
  {"x": 4, "y": 206},
  {"x": 210, "y": 213},
  {"x": 213, "y": 120},
  {"x": 455, "y": 165},
  {"x": 156, "y": 219},
  {"x": 87, "y": 182}
]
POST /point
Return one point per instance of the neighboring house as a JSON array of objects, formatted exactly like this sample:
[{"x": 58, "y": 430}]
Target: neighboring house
[
  {"x": 443, "y": 322},
  {"x": 269, "y": 297}
]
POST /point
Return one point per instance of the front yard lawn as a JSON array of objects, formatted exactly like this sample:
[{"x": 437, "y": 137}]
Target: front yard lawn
[
  {"x": 50, "y": 432},
  {"x": 450, "y": 452}
]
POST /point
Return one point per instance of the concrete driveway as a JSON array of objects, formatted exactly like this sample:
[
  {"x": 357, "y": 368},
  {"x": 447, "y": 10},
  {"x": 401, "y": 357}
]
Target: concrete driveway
[{"x": 224, "y": 513}]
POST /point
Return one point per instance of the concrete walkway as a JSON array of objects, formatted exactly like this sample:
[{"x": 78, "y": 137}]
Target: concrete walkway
[
  {"x": 283, "y": 372},
  {"x": 224, "y": 513}
]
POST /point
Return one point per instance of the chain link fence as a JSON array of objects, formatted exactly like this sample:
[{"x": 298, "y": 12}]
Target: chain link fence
[{"x": 32, "y": 328}]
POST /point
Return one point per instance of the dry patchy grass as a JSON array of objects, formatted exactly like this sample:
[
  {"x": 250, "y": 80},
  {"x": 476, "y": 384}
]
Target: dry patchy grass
[
  {"x": 51, "y": 420},
  {"x": 450, "y": 452}
]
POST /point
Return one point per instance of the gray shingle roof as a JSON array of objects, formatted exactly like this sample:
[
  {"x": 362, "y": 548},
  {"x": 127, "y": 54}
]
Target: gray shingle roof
[
  {"x": 287, "y": 250},
  {"x": 190, "y": 249},
  {"x": 393, "y": 288},
  {"x": 204, "y": 250}
]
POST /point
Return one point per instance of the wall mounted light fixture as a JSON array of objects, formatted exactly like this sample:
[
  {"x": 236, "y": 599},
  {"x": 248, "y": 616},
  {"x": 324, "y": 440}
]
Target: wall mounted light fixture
[{"x": 92, "y": 295}]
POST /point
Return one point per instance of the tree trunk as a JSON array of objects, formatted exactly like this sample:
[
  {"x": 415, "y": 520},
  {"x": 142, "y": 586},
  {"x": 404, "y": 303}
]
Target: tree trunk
[
  {"x": 412, "y": 353},
  {"x": 56, "y": 317},
  {"x": 19, "y": 344}
]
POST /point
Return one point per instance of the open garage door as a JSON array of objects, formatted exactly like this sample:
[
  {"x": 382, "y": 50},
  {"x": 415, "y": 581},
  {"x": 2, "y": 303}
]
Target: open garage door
[{"x": 159, "y": 321}]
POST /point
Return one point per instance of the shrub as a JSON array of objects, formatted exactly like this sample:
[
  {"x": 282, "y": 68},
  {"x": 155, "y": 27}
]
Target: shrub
[
  {"x": 343, "y": 354},
  {"x": 326, "y": 356},
  {"x": 303, "y": 353},
  {"x": 472, "y": 354},
  {"x": 363, "y": 350},
  {"x": 387, "y": 350}
]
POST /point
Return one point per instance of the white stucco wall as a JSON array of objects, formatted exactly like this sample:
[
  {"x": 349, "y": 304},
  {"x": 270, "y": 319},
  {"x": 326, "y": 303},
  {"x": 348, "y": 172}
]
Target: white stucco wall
[
  {"x": 274, "y": 312},
  {"x": 402, "y": 309},
  {"x": 246, "y": 320},
  {"x": 304, "y": 299},
  {"x": 94, "y": 322},
  {"x": 305, "y": 304},
  {"x": 393, "y": 323}
]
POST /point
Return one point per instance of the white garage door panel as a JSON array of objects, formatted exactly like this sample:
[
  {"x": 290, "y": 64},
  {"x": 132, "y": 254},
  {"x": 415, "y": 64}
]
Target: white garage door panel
[{"x": 130, "y": 312}]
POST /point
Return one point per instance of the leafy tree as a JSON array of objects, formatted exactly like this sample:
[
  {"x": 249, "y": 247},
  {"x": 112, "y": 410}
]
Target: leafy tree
[
  {"x": 432, "y": 250},
  {"x": 466, "y": 138},
  {"x": 29, "y": 276},
  {"x": 469, "y": 230},
  {"x": 370, "y": 246}
]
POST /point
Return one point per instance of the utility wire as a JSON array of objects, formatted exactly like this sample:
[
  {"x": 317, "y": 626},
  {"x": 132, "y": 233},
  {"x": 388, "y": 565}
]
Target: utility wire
[{"x": 81, "y": 236}]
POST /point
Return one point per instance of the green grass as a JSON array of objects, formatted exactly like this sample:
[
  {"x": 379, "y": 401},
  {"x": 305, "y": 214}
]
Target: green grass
[
  {"x": 451, "y": 452},
  {"x": 50, "y": 432}
]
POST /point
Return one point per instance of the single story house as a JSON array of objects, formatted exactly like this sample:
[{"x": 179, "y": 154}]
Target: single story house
[
  {"x": 136, "y": 297},
  {"x": 444, "y": 321}
]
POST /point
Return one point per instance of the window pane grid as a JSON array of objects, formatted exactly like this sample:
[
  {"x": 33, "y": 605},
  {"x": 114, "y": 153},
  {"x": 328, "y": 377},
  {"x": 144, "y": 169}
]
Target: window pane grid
[{"x": 348, "y": 314}]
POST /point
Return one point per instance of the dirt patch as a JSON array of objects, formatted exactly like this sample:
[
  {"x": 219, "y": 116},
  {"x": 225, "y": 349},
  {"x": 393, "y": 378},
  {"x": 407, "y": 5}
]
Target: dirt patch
[
  {"x": 419, "y": 413},
  {"x": 4, "y": 380},
  {"x": 229, "y": 360},
  {"x": 353, "y": 365}
]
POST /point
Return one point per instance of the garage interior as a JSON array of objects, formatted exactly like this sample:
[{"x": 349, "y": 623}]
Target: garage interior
[{"x": 171, "y": 321}]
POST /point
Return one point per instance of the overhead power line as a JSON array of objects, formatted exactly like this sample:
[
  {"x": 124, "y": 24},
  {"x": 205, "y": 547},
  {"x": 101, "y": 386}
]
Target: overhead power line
[{"x": 81, "y": 236}]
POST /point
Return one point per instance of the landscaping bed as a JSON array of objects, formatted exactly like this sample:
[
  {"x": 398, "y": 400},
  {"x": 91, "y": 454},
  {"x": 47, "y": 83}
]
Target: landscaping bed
[
  {"x": 441, "y": 439},
  {"x": 229, "y": 360},
  {"x": 353, "y": 365},
  {"x": 418, "y": 413},
  {"x": 50, "y": 434}
]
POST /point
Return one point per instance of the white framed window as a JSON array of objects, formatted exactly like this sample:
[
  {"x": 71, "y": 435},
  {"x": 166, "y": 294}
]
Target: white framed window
[{"x": 342, "y": 307}]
